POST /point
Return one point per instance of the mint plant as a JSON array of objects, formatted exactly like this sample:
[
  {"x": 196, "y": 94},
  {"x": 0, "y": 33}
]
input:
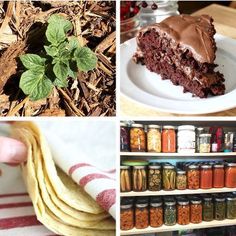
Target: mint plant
[{"x": 61, "y": 58}]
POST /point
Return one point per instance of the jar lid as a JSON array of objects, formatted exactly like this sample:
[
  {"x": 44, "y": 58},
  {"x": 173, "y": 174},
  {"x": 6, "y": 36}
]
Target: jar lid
[
  {"x": 231, "y": 164},
  {"x": 206, "y": 166},
  {"x": 219, "y": 199},
  {"x": 126, "y": 203},
  {"x": 181, "y": 172},
  {"x": 124, "y": 167},
  {"x": 142, "y": 202},
  {"x": 168, "y": 127},
  {"x": 137, "y": 125},
  {"x": 207, "y": 198},
  {"x": 134, "y": 163},
  {"x": 170, "y": 203},
  {"x": 218, "y": 165},
  {"x": 205, "y": 135},
  {"x": 231, "y": 198},
  {"x": 200, "y": 128},
  {"x": 155, "y": 201},
  {"x": 154, "y": 126},
  {"x": 193, "y": 166},
  {"x": 186, "y": 127},
  {"x": 196, "y": 200},
  {"x": 183, "y": 201},
  {"x": 155, "y": 166},
  {"x": 168, "y": 167},
  {"x": 122, "y": 124},
  {"x": 139, "y": 167}
]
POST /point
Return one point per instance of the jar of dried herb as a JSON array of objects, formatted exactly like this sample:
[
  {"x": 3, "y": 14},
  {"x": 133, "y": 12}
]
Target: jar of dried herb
[
  {"x": 139, "y": 178},
  {"x": 154, "y": 138},
  {"x": 156, "y": 212},
  {"x": 154, "y": 177},
  {"x": 196, "y": 210},
  {"x": 208, "y": 208},
  {"x": 137, "y": 138},
  {"x": 183, "y": 212},
  {"x": 126, "y": 214},
  {"x": 170, "y": 212},
  {"x": 169, "y": 177},
  {"x": 141, "y": 213},
  {"x": 181, "y": 180},
  {"x": 219, "y": 208},
  {"x": 231, "y": 207},
  {"x": 125, "y": 179}
]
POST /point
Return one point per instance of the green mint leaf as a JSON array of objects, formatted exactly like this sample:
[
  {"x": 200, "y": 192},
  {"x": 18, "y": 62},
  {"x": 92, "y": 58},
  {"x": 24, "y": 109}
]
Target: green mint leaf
[
  {"x": 61, "y": 83},
  {"x": 58, "y": 19},
  {"x": 60, "y": 69},
  {"x": 55, "y": 34},
  {"x": 51, "y": 50},
  {"x": 33, "y": 61},
  {"x": 85, "y": 58},
  {"x": 35, "y": 84},
  {"x": 73, "y": 44}
]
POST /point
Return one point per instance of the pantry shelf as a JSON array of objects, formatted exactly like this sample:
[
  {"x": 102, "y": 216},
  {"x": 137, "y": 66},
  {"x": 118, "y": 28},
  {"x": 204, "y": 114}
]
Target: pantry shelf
[
  {"x": 177, "y": 192},
  {"x": 177, "y": 227}
]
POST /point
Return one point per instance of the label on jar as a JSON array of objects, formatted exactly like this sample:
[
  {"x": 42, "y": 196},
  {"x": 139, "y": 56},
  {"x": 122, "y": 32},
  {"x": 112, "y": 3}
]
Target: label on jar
[{"x": 186, "y": 141}]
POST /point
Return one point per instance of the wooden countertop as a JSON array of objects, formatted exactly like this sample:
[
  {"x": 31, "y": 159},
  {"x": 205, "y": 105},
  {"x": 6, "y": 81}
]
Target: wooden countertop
[{"x": 225, "y": 24}]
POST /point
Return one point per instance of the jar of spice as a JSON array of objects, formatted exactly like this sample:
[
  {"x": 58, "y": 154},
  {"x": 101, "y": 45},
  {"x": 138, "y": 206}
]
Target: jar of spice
[
  {"x": 154, "y": 177},
  {"x": 183, "y": 212},
  {"x": 126, "y": 214},
  {"x": 169, "y": 177},
  {"x": 141, "y": 213},
  {"x": 137, "y": 138},
  {"x": 193, "y": 177},
  {"x": 199, "y": 130},
  {"x": 154, "y": 138},
  {"x": 206, "y": 177},
  {"x": 196, "y": 210},
  {"x": 170, "y": 212},
  {"x": 218, "y": 176},
  {"x": 186, "y": 139},
  {"x": 205, "y": 143},
  {"x": 208, "y": 210},
  {"x": 181, "y": 180},
  {"x": 230, "y": 175},
  {"x": 125, "y": 179},
  {"x": 168, "y": 139},
  {"x": 139, "y": 178},
  {"x": 156, "y": 212},
  {"x": 220, "y": 208},
  {"x": 231, "y": 207}
]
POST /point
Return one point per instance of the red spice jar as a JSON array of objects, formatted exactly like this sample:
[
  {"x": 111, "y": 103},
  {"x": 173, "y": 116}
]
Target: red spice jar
[
  {"x": 206, "y": 176},
  {"x": 218, "y": 176},
  {"x": 168, "y": 139},
  {"x": 230, "y": 175}
]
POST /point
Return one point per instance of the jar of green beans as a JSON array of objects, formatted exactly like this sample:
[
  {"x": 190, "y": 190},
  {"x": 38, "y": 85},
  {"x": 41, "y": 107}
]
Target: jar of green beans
[
  {"x": 219, "y": 208},
  {"x": 231, "y": 207},
  {"x": 170, "y": 212},
  {"x": 208, "y": 209}
]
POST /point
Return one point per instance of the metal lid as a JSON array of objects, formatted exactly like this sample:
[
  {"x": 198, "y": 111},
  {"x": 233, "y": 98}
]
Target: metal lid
[
  {"x": 156, "y": 167},
  {"x": 218, "y": 165},
  {"x": 186, "y": 127},
  {"x": 124, "y": 167},
  {"x": 168, "y": 167},
  {"x": 231, "y": 164},
  {"x": 154, "y": 126},
  {"x": 155, "y": 201},
  {"x": 193, "y": 166},
  {"x": 219, "y": 199},
  {"x": 205, "y": 135},
  {"x": 170, "y": 203},
  {"x": 139, "y": 167},
  {"x": 168, "y": 127},
  {"x": 206, "y": 167},
  {"x": 141, "y": 202},
  {"x": 123, "y": 124},
  {"x": 137, "y": 125},
  {"x": 134, "y": 163},
  {"x": 196, "y": 200},
  {"x": 181, "y": 172},
  {"x": 200, "y": 128},
  {"x": 207, "y": 198},
  {"x": 183, "y": 201},
  {"x": 126, "y": 203}
]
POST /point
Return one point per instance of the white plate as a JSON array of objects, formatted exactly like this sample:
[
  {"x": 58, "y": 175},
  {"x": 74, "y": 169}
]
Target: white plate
[{"x": 147, "y": 88}]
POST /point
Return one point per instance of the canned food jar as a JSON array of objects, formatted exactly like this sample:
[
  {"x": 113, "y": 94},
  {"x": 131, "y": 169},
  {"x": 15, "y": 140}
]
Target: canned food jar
[
  {"x": 126, "y": 214},
  {"x": 218, "y": 176},
  {"x": 219, "y": 208},
  {"x": 153, "y": 138},
  {"x": 139, "y": 178},
  {"x": 169, "y": 177},
  {"x": 183, "y": 212},
  {"x": 124, "y": 137},
  {"x": 137, "y": 138},
  {"x": 193, "y": 177},
  {"x": 186, "y": 139},
  {"x": 170, "y": 212},
  {"x": 205, "y": 143},
  {"x": 156, "y": 212},
  {"x": 125, "y": 179},
  {"x": 208, "y": 208},
  {"x": 199, "y": 130},
  {"x": 141, "y": 213},
  {"x": 230, "y": 175},
  {"x": 181, "y": 180},
  {"x": 196, "y": 210},
  {"x": 231, "y": 207},
  {"x": 154, "y": 177},
  {"x": 229, "y": 137},
  {"x": 168, "y": 139},
  {"x": 206, "y": 177}
]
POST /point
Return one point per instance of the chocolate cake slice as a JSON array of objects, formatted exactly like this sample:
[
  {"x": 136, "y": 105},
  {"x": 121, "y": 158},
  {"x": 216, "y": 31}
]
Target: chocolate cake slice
[{"x": 182, "y": 49}]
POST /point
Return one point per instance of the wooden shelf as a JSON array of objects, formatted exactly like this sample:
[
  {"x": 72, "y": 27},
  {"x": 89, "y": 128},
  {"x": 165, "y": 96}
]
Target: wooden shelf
[{"x": 177, "y": 227}]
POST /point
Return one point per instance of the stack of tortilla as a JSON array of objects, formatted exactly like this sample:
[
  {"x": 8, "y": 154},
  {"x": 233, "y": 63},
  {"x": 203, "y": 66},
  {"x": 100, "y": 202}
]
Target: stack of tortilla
[{"x": 59, "y": 203}]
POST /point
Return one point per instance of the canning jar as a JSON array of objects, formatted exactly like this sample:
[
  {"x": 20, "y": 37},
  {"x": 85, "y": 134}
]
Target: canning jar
[
  {"x": 186, "y": 139},
  {"x": 183, "y": 212},
  {"x": 124, "y": 137},
  {"x": 205, "y": 143},
  {"x": 196, "y": 210},
  {"x": 231, "y": 207},
  {"x": 125, "y": 179},
  {"x": 181, "y": 180},
  {"x": 126, "y": 214},
  {"x": 170, "y": 212},
  {"x": 141, "y": 213},
  {"x": 218, "y": 176},
  {"x": 199, "y": 130},
  {"x": 230, "y": 175},
  {"x": 154, "y": 138},
  {"x": 156, "y": 212},
  {"x": 219, "y": 208},
  {"x": 193, "y": 177},
  {"x": 208, "y": 210},
  {"x": 206, "y": 177},
  {"x": 137, "y": 138},
  {"x": 169, "y": 177},
  {"x": 168, "y": 139},
  {"x": 228, "y": 147},
  {"x": 139, "y": 178},
  {"x": 154, "y": 177}
]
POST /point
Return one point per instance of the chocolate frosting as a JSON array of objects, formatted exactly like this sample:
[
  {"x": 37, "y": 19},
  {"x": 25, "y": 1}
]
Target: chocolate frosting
[{"x": 193, "y": 33}]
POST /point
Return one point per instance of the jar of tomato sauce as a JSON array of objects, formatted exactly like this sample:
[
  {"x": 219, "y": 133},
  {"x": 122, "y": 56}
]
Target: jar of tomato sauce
[
  {"x": 230, "y": 175},
  {"x": 206, "y": 177},
  {"x": 168, "y": 139},
  {"x": 218, "y": 176}
]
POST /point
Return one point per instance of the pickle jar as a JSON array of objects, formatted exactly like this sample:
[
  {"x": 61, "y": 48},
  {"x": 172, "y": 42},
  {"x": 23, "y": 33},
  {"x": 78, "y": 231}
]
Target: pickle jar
[
  {"x": 125, "y": 179},
  {"x": 231, "y": 207},
  {"x": 156, "y": 212},
  {"x": 193, "y": 176},
  {"x": 206, "y": 175},
  {"x": 230, "y": 175},
  {"x": 137, "y": 138},
  {"x": 124, "y": 137},
  {"x": 168, "y": 139},
  {"x": 169, "y": 177},
  {"x": 208, "y": 208},
  {"x": 170, "y": 212},
  {"x": 219, "y": 208},
  {"x": 139, "y": 178},
  {"x": 153, "y": 138},
  {"x": 181, "y": 180},
  {"x": 183, "y": 212},
  {"x": 154, "y": 177},
  {"x": 126, "y": 214},
  {"x": 141, "y": 213},
  {"x": 205, "y": 143},
  {"x": 218, "y": 176},
  {"x": 196, "y": 210}
]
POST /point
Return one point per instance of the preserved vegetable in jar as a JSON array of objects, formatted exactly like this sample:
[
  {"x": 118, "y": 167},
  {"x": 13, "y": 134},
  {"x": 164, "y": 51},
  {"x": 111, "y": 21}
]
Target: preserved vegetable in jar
[
  {"x": 181, "y": 180},
  {"x": 196, "y": 211},
  {"x": 183, "y": 212},
  {"x": 169, "y": 177},
  {"x": 220, "y": 208},
  {"x": 154, "y": 138},
  {"x": 208, "y": 210},
  {"x": 141, "y": 213},
  {"x": 205, "y": 143},
  {"x": 124, "y": 137},
  {"x": 139, "y": 178},
  {"x": 199, "y": 130},
  {"x": 156, "y": 212},
  {"x": 154, "y": 177},
  {"x": 193, "y": 177},
  {"x": 230, "y": 175},
  {"x": 137, "y": 138},
  {"x": 170, "y": 212},
  {"x": 218, "y": 176},
  {"x": 125, "y": 179},
  {"x": 206, "y": 177},
  {"x": 231, "y": 207},
  {"x": 126, "y": 214},
  {"x": 186, "y": 139},
  {"x": 168, "y": 139}
]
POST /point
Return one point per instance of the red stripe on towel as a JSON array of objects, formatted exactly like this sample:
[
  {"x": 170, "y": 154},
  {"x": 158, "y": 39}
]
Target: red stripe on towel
[
  {"x": 18, "y": 204},
  {"x": 106, "y": 198},
  {"x": 86, "y": 179},
  {"x": 13, "y": 195},
  {"x": 75, "y": 167}
]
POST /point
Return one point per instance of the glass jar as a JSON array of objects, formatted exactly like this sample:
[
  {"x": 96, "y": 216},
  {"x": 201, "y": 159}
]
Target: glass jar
[
  {"x": 169, "y": 177},
  {"x": 234, "y": 142},
  {"x": 183, "y": 212},
  {"x": 154, "y": 177},
  {"x": 186, "y": 139},
  {"x": 168, "y": 139},
  {"x": 170, "y": 212},
  {"x": 141, "y": 213},
  {"x": 193, "y": 177},
  {"x": 228, "y": 147},
  {"x": 219, "y": 208},
  {"x": 218, "y": 176},
  {"x": 199, "y": 130},
  {"x": 124, "y": 137},
  {"x": 126, "y": 214},
  {"x": 206, "y": 177},
  {"x": 208, "y": 210},
  {"x": 125, "y": 179},
  {"x": 137, "y": 138},
  {"x": 139, "y": 178},
  {"x": 156, "y": 212},
  {"x": 230, "y": 175},
  {"x": 196, "y": 210},
  {"x": 231, "y": 207},
  {"x": 181, "y": 180},
  {"x": 154, "y": 138},
  {"x": 205, "y": 143}
]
